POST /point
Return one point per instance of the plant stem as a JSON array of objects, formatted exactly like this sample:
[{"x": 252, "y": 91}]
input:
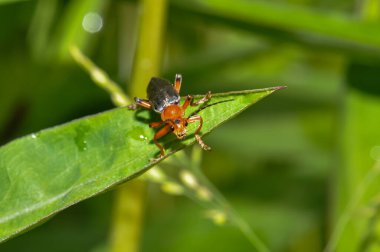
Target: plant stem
[
  {"x": 128, "y": 220},
  {"x": 234, "y": 217},
  {"x": 148, "y": 55},
  {"x": 119, "y": 98},
  {"x": 128, "y": 216},
  {"x": 218, "y": 201}
]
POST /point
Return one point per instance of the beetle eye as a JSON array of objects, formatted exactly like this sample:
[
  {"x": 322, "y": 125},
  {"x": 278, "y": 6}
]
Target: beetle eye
[
  {"x": 177, "y": 121},
  {"x": 186, "y": 123},
  {"x": 172, "y": 128}
]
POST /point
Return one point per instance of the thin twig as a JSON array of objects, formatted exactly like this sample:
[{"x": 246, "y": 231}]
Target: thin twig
[
  {"x": 101, "y": 78},
  {"x": 217, "y": 200}
]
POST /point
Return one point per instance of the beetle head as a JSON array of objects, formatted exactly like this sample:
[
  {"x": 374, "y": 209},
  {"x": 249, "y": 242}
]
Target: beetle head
[{"x": 179, "y": 127}]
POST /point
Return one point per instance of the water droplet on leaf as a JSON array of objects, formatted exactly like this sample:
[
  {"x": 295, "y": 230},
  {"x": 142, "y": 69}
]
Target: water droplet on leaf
[
  {"x": 80, "y": 138},
  {"x": 137, "y": 133}
]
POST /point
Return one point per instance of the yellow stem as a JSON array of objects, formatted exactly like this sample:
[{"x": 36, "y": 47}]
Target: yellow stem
[
  {"x": 148, "y": 55},
  {"x": 129, "y": 206},
  {"x": 100, "y": 78},
  {"x": 128, "y": 216}
]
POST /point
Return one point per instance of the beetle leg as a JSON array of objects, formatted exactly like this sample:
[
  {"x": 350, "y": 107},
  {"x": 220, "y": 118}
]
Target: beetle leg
[
  {"x": 178, "y": 82},
  {"x": 198, "y": 118},
  {"x": 162, "y": 132},
  {"x": 156, "y": 124},
  {"x": 140, "y": 102},
  {"x": 187, "y": 102},
  {"x": 190, "y": 100},
  {"x": 203, "y": 100}
]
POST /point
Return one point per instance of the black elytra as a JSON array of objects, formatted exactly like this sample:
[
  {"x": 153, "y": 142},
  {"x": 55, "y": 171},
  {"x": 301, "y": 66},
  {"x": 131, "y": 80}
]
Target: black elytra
[{"x": 161, "y": 94}]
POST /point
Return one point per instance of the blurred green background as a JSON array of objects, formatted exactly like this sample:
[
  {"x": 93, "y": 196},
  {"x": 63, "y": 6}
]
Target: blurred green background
[{"x": 290, "y": 165}]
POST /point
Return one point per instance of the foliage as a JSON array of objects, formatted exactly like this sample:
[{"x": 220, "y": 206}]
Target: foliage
[
  {"x": 48, "y": 171},
  {"x": 295, "y": 167}
]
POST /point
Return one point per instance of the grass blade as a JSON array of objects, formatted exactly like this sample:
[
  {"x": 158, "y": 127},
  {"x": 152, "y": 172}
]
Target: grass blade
[{"x": 290, "y": 22}]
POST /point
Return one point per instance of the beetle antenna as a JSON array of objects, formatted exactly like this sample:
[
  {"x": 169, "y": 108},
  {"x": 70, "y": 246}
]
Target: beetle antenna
[{"x": 209, "y": 105}]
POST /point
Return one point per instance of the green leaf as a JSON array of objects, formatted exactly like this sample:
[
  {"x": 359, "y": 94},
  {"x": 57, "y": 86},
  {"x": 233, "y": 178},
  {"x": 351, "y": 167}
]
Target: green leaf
[
  {"x": 44, "y": 173},
  {"x": 290, "y": 22}
]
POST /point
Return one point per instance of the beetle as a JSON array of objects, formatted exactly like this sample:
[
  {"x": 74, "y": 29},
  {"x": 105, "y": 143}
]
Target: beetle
[{"x": 164, "y": 98}]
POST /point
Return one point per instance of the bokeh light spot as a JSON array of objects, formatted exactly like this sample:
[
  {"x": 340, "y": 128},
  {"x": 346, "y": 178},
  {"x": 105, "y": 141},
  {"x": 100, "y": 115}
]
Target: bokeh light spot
[{"x": 92, "y": 22}]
